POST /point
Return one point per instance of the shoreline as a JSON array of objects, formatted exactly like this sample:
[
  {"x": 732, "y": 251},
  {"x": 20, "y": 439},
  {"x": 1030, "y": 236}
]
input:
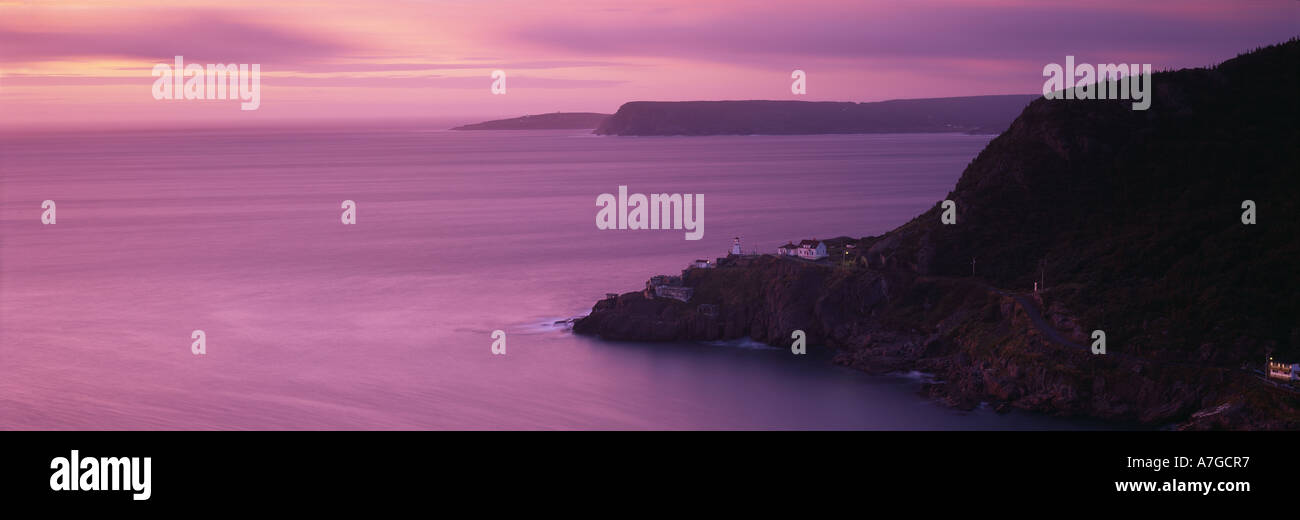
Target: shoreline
[{"x": 984, "y": 350}]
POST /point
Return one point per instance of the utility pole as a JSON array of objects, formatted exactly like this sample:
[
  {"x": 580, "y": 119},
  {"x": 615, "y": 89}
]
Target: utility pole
[
  {"x": 1042, "y": 274},
  {"x": 972, "y": 266}
]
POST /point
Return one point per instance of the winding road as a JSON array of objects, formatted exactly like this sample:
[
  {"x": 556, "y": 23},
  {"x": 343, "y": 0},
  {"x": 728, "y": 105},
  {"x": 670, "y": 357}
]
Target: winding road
[{"x": 1039, "y": 322}]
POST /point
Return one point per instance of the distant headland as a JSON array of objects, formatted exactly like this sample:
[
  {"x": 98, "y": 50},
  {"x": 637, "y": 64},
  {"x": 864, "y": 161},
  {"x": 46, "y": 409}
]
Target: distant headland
[
  {"x": 554, "y": 121},
  {"x": 974, "y": 114}
]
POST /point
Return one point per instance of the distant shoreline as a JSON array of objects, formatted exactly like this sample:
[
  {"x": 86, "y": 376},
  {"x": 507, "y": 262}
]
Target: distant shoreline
[
  {"x": 963, "y": 115},
  {"x": 553, "y": 121},
  {"x": 971, "y": 115}
]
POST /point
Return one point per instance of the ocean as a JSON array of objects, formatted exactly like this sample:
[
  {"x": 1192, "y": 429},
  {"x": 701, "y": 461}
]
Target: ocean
[{"x": 386, "y": 324}]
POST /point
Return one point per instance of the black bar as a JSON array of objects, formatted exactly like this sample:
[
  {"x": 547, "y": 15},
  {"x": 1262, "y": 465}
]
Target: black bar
[{"x": 314, "y": 469}]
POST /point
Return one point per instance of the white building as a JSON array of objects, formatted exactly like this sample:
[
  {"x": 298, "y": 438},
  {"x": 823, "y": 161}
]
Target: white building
[
  {"x": 735, "y": 247},
  {"x": 807, "y": 249},
  {"x": 701, "y": 264},
  {"x": 812, "y": 249}
]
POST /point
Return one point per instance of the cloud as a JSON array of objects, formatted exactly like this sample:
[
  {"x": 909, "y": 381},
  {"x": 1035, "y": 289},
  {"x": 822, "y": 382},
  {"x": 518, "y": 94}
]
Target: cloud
[
  {"x": 479, "y": 64},
  {"x": 933, "y": 30},
  {"x": 421, "y": 81},
  {"x": 207, "y": 38}
]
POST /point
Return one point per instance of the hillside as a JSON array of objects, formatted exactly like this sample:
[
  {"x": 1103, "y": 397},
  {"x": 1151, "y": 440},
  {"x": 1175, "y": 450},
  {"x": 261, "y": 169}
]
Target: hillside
[{"x": 1136, "y": 215}]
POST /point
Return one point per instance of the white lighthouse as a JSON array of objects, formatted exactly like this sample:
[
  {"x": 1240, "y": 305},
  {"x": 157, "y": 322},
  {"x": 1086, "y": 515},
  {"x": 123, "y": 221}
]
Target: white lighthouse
[{"x": 735, "y": 246}]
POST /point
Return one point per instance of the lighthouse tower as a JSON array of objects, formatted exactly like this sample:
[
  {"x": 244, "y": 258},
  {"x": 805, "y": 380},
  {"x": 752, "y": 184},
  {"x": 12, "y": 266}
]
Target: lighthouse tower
[{"x": 735, "y": 247}]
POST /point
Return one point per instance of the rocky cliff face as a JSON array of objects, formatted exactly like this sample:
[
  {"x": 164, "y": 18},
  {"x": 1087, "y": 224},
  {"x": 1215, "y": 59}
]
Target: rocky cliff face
[
  {"x": 980, "y": 345},
  {"x": 764, "y": 298},
  {"x": 1133, "y": 218}
]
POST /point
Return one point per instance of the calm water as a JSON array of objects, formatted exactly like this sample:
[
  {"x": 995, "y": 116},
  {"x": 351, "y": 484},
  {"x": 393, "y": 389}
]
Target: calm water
[{"x": 386, "y": 324}]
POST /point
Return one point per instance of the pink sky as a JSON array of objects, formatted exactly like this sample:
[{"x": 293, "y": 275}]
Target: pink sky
[{"x": 89, "y": 62}]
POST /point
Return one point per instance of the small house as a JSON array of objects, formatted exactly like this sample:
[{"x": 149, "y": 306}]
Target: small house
[
  {"x": 811, "y": 249},
  {"x": 806, "y": 249},
  {"x": 1283, "y": 371}
]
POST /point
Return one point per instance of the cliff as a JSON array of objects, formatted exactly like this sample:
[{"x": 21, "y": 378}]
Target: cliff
[
  {"x": 976, "y": 114},
  {"x": 1133, "y": 220},
  {"x": 556, "y": 121}
]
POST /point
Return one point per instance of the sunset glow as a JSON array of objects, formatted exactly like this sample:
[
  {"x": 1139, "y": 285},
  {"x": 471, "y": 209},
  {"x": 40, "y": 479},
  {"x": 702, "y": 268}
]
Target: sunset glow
[{"x": 88, "y": 62}]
